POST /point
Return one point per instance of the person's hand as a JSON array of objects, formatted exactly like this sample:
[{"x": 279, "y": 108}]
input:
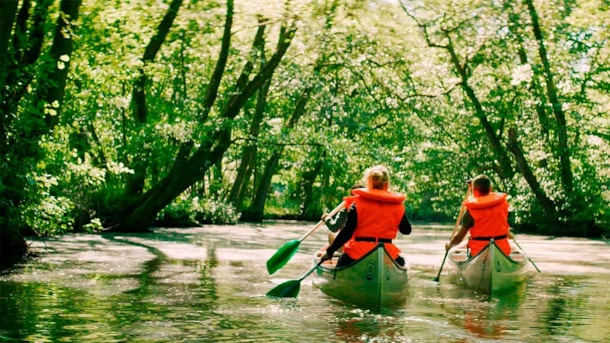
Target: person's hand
[
  {"x": 324, "y": 216},
  {"x": 510, "y": 234},
  {"x": 326, "y": 257},
  {"x": 448, "y": 246}
]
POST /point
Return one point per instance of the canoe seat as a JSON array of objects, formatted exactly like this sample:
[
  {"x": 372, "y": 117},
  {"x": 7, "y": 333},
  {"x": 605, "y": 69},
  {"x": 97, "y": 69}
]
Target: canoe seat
[{"x": 459, "y": 255}]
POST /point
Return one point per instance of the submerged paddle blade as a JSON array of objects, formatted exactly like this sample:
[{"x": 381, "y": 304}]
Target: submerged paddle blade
[
  {"x": 288, "y": 289},
  {"x": 282, "y": 256}
]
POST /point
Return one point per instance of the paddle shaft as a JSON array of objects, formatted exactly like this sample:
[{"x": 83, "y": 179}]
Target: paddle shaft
[
  {"x": 310, "y": 271},
  {"x": 331, "y": 213},
  {"x": 457, "y": 222},
  {"x": 532, "y": 262},
  {"x": 438, "y": 276},
  {"x": 290, "y": 288}
]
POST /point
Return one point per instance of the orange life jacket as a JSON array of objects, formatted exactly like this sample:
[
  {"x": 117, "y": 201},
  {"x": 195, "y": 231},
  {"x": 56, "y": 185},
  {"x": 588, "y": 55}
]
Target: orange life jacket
[
  {"x": 490, "y": 214},
  {"x": 379, "y": 214}
]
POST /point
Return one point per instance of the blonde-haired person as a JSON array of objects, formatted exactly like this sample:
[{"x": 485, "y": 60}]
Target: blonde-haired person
[{"x": 376, "y": 215}]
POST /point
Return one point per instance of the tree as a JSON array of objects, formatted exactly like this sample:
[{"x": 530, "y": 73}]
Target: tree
[
  {"x": 480, "y": 52},
  {"x": 192, "y": 162},
  {"x": 33, "y": 86}
]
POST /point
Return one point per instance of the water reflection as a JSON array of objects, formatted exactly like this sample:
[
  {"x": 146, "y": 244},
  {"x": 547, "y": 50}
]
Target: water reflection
[
  {"x": 484, "y": 316},
  {"x": 205, "y": 285}
]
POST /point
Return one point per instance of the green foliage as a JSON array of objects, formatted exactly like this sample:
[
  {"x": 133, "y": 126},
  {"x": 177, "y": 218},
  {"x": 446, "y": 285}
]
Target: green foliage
[
  {"x": 215, "y": 211},
  {"x": 193, "y": 211},
  {"x": 179, "y": 213},
  {"x": 45, "y": 213},
  {"x": 380, "y": 94}
]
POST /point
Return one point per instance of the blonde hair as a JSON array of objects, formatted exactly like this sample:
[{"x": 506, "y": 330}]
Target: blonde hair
[{"x": 377, "y": 177}]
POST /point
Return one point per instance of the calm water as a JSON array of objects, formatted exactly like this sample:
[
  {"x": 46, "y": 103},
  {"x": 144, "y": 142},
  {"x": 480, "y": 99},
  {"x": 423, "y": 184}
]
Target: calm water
[{"x": 208, "y": 284}]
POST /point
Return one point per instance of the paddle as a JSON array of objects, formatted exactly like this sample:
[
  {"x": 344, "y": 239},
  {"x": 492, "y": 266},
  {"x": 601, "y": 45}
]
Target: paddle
[
  {"x": 532, "y": 262},
  {"x": 457, "y": 222},
  {"x": 286, "y": 251},
  {"x": 290, "y": 288}
]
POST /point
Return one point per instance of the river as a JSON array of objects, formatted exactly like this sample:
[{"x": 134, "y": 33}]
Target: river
[{"x": 208, "y": 284}]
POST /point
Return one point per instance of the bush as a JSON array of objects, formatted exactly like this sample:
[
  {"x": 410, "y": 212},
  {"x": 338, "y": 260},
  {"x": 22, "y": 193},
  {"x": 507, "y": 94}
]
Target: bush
[{"x": 186, "y": 211}]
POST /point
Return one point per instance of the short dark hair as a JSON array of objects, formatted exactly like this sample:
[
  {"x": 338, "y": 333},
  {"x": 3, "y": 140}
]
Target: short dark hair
[{"x": 482, "y": 183}]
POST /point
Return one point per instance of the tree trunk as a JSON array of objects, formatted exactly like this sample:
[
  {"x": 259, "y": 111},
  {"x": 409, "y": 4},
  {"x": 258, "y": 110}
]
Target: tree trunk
[
  {"x": 248, "y": 161},
  {"x": 187, "y": 171},
  {"x": 547, "y": 204},
  {"x": 257, "y": 208},
  {"x": 505, "y": 167},
  {"x": 48, "y": 100},
  {"x": 7, "y": 19},
  {"x": 184, "y": 173},
  {"x": 563, "y": 150},
  {"x": 135, "y": 181},
  {"x": 311, "y": 203},
  {"x": 61, "y": 49},
  {"x": 13, "y": 248},
  {"x": 515, "y": 25}
]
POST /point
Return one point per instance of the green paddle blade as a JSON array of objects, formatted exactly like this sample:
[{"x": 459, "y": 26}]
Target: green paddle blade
[
  {"x": 288, "y": 289},
  {"x": 282, "y": 256}
]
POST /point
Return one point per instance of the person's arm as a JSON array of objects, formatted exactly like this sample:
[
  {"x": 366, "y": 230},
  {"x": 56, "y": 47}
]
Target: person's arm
[
  {"x": 344, "y": 235},
  {"x": 458, "y": 237},
  {"x": 405, "y": 226},
  {"x": 337, "y": 222}
]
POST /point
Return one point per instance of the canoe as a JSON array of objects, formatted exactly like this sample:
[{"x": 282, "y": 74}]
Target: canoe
[
  {"x": 376, "y": 281},
  {"x": 490, "y": 271}
]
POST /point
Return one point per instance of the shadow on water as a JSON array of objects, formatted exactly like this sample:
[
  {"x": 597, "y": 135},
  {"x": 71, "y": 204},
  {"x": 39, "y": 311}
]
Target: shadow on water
[{"x": 208, "y": 284}]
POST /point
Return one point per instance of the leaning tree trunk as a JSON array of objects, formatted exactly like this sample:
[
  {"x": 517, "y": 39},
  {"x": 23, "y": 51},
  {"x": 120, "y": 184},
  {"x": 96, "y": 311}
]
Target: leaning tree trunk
[
  {"x": 506, "y": 169},
  {"x": 247, "y": 163},
  {"x": 135, "y": 181},
  {"x": 563, "y": 150},
  {"x": 188, "y": 170},
  {"x": 547, "y": 204}
]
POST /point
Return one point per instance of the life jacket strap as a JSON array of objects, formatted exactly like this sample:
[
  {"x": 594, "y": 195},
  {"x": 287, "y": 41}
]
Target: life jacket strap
[
  {"x": 373, "y": 239},
  {"x": 495, "y": 238}
]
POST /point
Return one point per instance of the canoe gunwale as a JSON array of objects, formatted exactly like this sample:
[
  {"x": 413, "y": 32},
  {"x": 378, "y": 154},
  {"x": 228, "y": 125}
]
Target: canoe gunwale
[{"x": 354, "y": 263}]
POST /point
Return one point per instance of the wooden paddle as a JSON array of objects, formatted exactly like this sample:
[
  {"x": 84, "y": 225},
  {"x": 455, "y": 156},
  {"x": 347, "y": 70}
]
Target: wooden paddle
[
  {"x": 286, "y": 251},
  {"x": 290, "y": 288},
  {"x": 532, "y": 262},
  {"x": 455, "y": 227}
]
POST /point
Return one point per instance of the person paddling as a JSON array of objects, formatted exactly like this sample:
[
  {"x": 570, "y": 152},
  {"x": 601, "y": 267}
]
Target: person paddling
[
  {"x": 486, "y": 218},
  {"x": 376, "y": 215},
  {"x": 337, "y": 222}
]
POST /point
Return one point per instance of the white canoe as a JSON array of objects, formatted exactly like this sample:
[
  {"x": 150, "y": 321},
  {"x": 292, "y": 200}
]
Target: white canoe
[{"x": 490, "y": 271}]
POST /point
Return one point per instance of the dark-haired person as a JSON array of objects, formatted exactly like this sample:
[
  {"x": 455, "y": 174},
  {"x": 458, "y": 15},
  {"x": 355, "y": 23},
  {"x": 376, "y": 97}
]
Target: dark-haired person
[
  {"x": 377, "y": 214},
  {"x": 486, "y": 218}
]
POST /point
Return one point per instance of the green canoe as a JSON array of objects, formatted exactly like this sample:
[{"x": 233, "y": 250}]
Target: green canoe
[{"x": 376, "y": 281}]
